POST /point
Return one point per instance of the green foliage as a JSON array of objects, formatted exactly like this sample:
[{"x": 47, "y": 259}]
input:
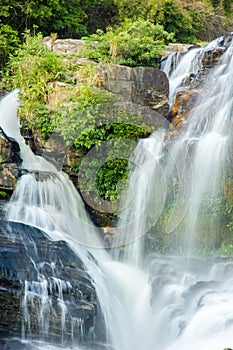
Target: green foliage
[
  {"x": 77, "y": 124},
  {"x": 183, "y": 18},
  {"x": 33, "y": 69},
  {"x": 8, "y": 43},
  {"x": 67, "y": 18},
  {"x": 109, "y": 176},
  {"x": 188, "y": 20},
  {"x": 133, "y": 44},
  {"x": 225, "y": 4},
  {"x": 100, "y": 14},
  {"x": 33, "y": 64},
  {"x": 90, "y": 123},
  {"x": 137, "y": 9},
  {"x": 4, "y": 195},
  {"x": 176, "y": 19}
]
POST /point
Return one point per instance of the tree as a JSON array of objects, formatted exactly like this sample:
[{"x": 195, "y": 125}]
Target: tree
[
  {"x": 8, "y": 43},
  {"x": 100, "y": 14},
  {"x": 63, "y": 17}
]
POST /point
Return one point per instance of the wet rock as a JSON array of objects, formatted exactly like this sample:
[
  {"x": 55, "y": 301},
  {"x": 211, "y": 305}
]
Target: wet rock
[
  {"x": 9, "y": 175},
  {"x": 181, "y": 108},
  {"x": 9, "y": 162},
  {"x": 41, "y": 277},
  {"x": 211, "y": 57},
  {"x": 9, "y": 149}
]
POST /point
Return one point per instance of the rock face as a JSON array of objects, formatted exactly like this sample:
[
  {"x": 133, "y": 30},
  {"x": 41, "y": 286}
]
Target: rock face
[
  {"x": 142, "y": 91},
  {"x": 45, "y": 291},
  {"x": 9, "y": 153}
]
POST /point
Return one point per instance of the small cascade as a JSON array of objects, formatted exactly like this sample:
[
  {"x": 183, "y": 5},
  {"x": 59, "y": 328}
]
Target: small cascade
[
  {"x": 208, "y": 136},
  {"x": 38, "y": 301},
  {"x": 9, "y": 105},
  {"x": 170, "y": 63},
  {"x": 178, "y": 66},
  {"x": 190, "y": 63},
  {"x": 149, "y": 186}
]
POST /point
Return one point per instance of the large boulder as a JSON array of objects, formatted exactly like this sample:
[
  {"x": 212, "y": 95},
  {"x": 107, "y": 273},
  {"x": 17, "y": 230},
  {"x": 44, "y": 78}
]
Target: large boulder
[
  {"x": 45, "y": 291},
  {"x": 64, "y": 46},
  {"x": 142, "y": 91}
]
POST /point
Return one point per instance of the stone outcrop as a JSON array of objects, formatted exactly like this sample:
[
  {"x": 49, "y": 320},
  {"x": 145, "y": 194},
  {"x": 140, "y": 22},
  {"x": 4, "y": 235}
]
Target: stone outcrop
[
  {"x": 39, "y": 277},
  {"x": 142, "y": 91},
  {"x": 9, "y": 161},
  {"x": 64, "y": 46},
  {"x": 180, "y": 48}
]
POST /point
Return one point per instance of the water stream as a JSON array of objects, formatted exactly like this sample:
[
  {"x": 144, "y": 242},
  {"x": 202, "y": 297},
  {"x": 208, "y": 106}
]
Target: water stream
[{"x": 155, "y": 302}]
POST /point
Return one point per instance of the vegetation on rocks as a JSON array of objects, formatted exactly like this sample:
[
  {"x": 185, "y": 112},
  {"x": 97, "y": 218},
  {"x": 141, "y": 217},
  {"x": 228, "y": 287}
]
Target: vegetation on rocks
[
  {"x": 60, "y": 97},
  {"x": 133, "y": 43}
]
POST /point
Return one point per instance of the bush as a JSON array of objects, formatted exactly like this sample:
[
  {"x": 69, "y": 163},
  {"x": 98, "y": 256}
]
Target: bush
[
  {"x": 31, "y": 69},
  {"x": 132, "y": 44}
]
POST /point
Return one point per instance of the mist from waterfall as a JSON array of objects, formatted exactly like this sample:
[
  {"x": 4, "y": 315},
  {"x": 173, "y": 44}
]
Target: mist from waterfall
[{"x": 151, "y": 302}]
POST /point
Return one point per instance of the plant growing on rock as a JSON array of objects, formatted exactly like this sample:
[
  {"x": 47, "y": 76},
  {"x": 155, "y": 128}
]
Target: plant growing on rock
[
  {"x": 60, "y": 97},
  {"x": 132, "y": 43}
]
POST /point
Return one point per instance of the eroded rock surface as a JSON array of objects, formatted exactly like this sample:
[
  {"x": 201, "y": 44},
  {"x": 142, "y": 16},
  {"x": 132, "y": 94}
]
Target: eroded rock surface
[
  {"x": 142, "y": 91},
  {"x": 44, "y": 288}
]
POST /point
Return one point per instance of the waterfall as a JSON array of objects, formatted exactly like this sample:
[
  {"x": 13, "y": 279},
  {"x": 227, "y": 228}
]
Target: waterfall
[
  {"x": 183, "y": 172},
  {"x": 47, "y": 199},
  {"x": 178, "y": 66},
  {"x": 161, "y": 302},
  {"x": 149, "y": 186}
]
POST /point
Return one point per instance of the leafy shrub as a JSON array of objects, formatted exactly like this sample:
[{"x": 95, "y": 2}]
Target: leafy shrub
[
  {"x": 31, "y": 69},
  {"x": 133, "y": 43}
]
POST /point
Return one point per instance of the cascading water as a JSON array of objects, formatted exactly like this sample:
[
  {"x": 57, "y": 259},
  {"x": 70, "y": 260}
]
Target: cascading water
[
  {"x": 195, "y": 159},
  {"x": 174, "y": 303},
  {"x": 178, "y": 66},
  {"x": 184, "y": 292},
  {"x": 47, "y": 199}
]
